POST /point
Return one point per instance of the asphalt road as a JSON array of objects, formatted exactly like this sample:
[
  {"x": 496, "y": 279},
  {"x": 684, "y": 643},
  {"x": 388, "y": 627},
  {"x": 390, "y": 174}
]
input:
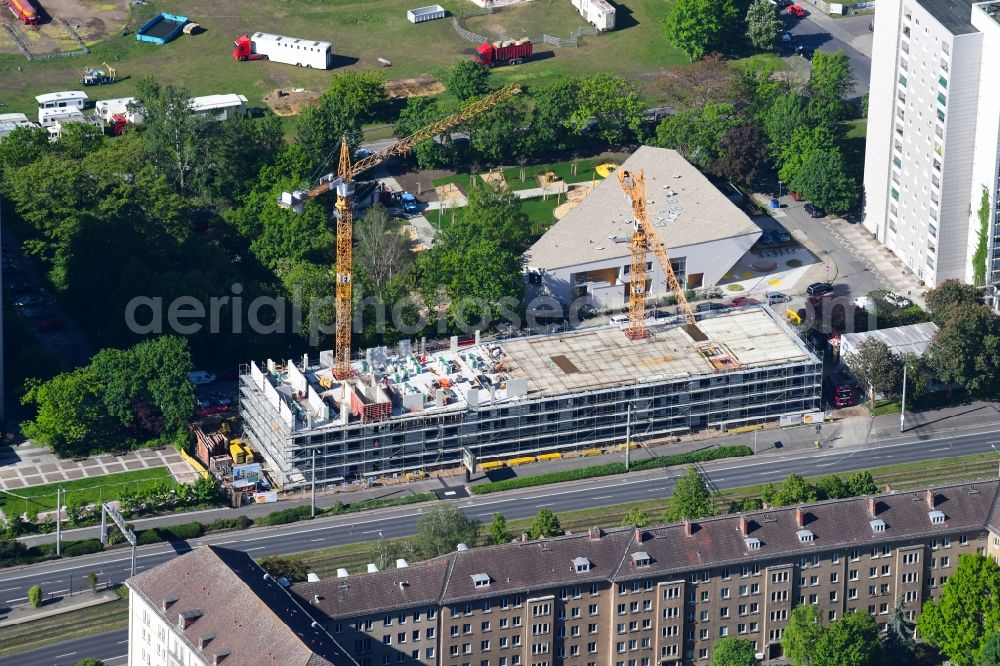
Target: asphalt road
[
  {"x": 813, "y": 33},
  {"x": 834, "y": 457},
  {"x": 112, "y": 647}
]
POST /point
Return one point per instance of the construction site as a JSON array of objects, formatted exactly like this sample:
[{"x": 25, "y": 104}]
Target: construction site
[{"x": 411, "y": 409}]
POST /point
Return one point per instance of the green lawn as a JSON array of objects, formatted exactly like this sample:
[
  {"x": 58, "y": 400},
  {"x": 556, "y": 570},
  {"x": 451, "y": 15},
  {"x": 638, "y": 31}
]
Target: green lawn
[
  {"x": 57, "y": 628},
  {"x": 539, "y": 214},
  {"x": 359, "y": 33},
  {"x": 512, "y": 174},
  {"x": 85, "y": 491}
]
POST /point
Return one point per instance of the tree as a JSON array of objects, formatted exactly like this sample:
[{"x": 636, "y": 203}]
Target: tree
[
  {"x": 853, "y": 640},
  {"x": 743, "y": 155},
  {"x": 692, "y": 86},
  {"x": 636, "y": 517},
  {"x": 292, "y": 568},
  {"x": 362, "y": 93},
  {"x": 311, "y": 287},
  {"x": 697, "y": 26},
  {"x": 35, "y": 596},
  {"x": 503, "y": 133},
  {"x": 763, "y": 24},
  {"x": 861, "y": 483},
  {"x": 92, "y": 581},
  {"x": 382, "y": 253},
  {"x": 545, "y": 524},
  {"x": 173, "y": 135},
  {"x": 781, "y": 118},
  {"x": 802, "y": 634},
  {"x": 691, "y": 498},
  {"x": 384, "y": 553},
  {"x": 70, "y": 418},
  {"x": 967, "y": 615},
  {"x": 793, "y": 490},
  {"x": 90, "y": 661},
  {"x": 877, "y": 367},
  {"x": 613, "y": 104},
  {"x": 697, "y": 134},
  {"x": 442, "y": 528},
  {"x": 730, "y": 651},
  {"x": 467, "y": 79},
  {"x": 966, "y": 350},
  {"x": 823, "y": 177},
  {"x": 899, "y": 644},
  {"x": 830, "y": 81},
  {"x": 554, "y": 105},
  {"x": 990, "y": 654},
  {"x": 499, "y": 533},
  {"x": 434, "y": 153},
  {"x": 947, "y": 298},
  {"x": 832, "y": 487},
  {"x": 23, "y": 146}
]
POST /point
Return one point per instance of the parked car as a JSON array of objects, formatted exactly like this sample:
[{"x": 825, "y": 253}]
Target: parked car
[
  {"x": 796, "y": 11},
  {"x": 201, "y": 377},
  {"x": 786, "y": 38},
  {"x": 618, "y": 320},
  {"x": 795, "y": 196},
  {"x": 208, "y": 407},
  {"x": 783, "y": 236},
  {"x": 709, "y": 307},
  {"x": 222, "y": 399},
  {"x": 744, "y": 301},
  {"x": 819, "y": 288},
  {"x": 767, "y": 238},
  {"x": 409, "y": 203},
  {"x": 814, "y": 211},
  {"x": 774, "y": 297}
]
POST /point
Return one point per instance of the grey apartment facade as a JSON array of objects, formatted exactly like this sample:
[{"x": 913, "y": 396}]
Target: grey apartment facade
[
  {"x": 416, "y": 409},
  {"x": 660, "y": 596}
]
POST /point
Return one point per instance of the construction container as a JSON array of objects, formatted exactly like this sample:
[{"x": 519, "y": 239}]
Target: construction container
[
  {"x": 514, "y": 462},
  {"x": 422, "y": 14},
  {"x": 238, "y": 454}
]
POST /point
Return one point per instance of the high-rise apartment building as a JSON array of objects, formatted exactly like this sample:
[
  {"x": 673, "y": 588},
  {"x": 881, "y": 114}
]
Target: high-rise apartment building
[{"x": 933, "y": 133}]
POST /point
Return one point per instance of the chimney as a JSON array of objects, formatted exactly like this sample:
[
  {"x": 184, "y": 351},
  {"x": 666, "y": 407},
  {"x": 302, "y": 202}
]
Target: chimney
[
  {"x": 638, "y": 535},
  {"x": 872, "y": 507},
  {"x": 687, "y": 527},
  {"x": 766, "y": 506},
  {"x": 800, "y": 518},
  {"x": 888, "y": 488},
  {"x": 744, "y": 525},
  {"x": 524, "y": 536},
  {"x": 931, "y": 499},
  {"x": 594, "y": 533}
]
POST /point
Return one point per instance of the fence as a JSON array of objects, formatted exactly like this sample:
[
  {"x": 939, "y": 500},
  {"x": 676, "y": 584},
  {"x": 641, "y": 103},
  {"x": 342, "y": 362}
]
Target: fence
[
  {"x": 25, "y": 45},
  {"x": 574, "y": 38},
  {"x": 457, "y": 22}
]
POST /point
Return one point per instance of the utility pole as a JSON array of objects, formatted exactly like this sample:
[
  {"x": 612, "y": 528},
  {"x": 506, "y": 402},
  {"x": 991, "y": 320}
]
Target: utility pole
[
  {"x": 628, "y": 436},
  {"x": 902, "y": 406},
  {"x": 312, "y": 504},
  {"x": 58, "y": 521},
  {"x": 998, "y": 453},
  {"x": 755, "y": 442}
]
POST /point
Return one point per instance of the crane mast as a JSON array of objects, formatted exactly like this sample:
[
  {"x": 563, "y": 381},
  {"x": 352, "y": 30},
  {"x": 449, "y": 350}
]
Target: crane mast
[
  {"x": 643, "y": 240},
  {"x": 343, "y": 183}
]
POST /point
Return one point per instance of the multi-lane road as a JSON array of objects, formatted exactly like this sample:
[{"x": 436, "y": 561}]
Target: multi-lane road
[{"x": 114, "y": 566}]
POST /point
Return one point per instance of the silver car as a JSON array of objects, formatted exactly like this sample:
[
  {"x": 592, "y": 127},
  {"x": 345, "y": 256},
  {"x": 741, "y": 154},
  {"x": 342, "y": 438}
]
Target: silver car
[{"x": 774, "y": 297}]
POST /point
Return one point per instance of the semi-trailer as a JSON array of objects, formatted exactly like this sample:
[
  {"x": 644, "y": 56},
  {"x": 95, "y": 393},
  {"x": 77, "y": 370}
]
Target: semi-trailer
[
  {"x": 24, "y": 11},
  {"x": 287, "y": 50},
  {"x": 507, "y": 52}
]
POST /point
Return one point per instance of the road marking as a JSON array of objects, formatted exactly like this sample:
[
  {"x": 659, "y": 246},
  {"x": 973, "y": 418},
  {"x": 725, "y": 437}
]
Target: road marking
[
  {"x": 604, "y": 497},
  {"x": 373, "y": 532},
  {"x": 546, "y": 504},
  {"x": 315, "y": 540},
  {"x": 10, "y": 601},
  {"x": 60, "y": 656},
  {"x": 255, "y": 548},
  {"x": 121, "y": 643},
  {"x": 943, "y": 448},
  {"x": 9, "y": 589}
]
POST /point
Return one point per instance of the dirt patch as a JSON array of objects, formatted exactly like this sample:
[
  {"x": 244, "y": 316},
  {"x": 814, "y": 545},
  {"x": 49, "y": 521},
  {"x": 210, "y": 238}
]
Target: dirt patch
[
  {"x": 494, "y": 178},
  {"x": 417, "y": 86},
  {"x": 450, "y": 194},
  {"x": 93, "y": 21},
  {"x": 290, "y": 102}
]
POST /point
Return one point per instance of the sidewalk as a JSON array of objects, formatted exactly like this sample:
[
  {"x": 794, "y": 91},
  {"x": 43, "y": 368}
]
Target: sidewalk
[
  {"x": 862, "y": 245},
  {"x": 851, "y": 427},
  {"x": 82, "y": 599}
]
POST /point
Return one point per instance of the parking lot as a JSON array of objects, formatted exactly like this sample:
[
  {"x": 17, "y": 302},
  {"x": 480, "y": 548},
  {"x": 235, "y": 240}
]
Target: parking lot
[{"x": 819, "y": 32}]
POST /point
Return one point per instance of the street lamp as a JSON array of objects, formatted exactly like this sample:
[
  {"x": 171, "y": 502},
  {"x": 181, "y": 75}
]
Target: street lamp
[{"x": 780, "y": 183}]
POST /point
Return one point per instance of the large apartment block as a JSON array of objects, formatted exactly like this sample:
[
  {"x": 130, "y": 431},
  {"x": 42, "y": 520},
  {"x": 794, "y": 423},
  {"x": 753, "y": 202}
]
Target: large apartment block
[
  {"x": 933, "y": 132},
  {"x": 659, "y": 596},
  {"x": 417, "y": 408}
]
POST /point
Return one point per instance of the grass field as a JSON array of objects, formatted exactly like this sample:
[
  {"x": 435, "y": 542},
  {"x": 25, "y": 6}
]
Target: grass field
[
  {"x": 359, "y": 33},
  {"x": 539, "y": 214},
  {"x": 584, "y": 173},
  {"x": 75, "y": 624},
  {"x": 85, "y": 491}
]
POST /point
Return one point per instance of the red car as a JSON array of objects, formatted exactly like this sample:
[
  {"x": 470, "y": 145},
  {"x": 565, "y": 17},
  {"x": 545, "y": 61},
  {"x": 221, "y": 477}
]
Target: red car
[
  {"x": 744, "y": 301},
  {"x": 797, "y": 11},
  {"x": 795, "y": 196}
]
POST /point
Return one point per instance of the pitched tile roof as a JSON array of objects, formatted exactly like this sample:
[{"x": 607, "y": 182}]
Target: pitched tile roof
[{"x": 225, "y": 596}]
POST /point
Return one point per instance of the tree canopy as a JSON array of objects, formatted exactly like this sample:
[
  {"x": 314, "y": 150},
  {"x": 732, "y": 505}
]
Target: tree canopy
[
  {"x": 691, "y": 498},
  {"x": 613, "y": 105},
  {"x": 877, "y": 367},
  {"x": 731, "y": 651},
  {"x": 545, "y": 524},
  {"x": 499, "y": 532},
  {"x": 804, "y": 630},
  {"x": 441, "y": 528},
  {"x": 853, "y": 640},
  {"x": 763, "y": 24},
  {"x": 945, "y": 300},
  {"x": 967, "y": 615},
  {"x": 467, "y": 79},
  {"x": 699, "y": 26},
  {"x": 966, "y": 350}
]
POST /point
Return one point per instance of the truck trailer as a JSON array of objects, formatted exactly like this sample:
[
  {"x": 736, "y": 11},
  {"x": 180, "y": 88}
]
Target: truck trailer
[
  {"x": 287, "y": 50},
  {"x": 24, "y": 11},
  {"x": 506, "y": 52}
]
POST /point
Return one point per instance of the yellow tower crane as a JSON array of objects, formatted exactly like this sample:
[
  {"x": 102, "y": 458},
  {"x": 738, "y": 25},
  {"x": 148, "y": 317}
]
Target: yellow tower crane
[
  {"x": 343, "y": 183},
  {"x": 643, "y": 240}
]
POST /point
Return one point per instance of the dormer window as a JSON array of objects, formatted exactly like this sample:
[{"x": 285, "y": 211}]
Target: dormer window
[
  {"x": 937, "y": 517},
  {"x": 481, "y": 579},
  {"x": 641, "y": 558},
  {"x": 878, "y": 525},
  {"x": 753, "y": 543},
  {"x": 581, "y": 564},
  {"x": 805, "y": 536}
]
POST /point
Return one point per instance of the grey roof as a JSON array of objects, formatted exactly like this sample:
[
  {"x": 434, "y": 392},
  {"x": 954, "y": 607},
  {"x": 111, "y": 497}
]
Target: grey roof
[
  {"x": 587, "y": 232},
  {"x": 955, "y": 15},
  {"x": 912, "y": 339},
  {"x": 527, "y": 567},
  {"x": 225, "y": 595}
]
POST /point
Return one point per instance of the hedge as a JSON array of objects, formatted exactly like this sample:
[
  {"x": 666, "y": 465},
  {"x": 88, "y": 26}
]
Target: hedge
[
  {"x": 285, "y": 516},
  {"x": 366, "y": 505},
  {"x": 238, "y": 523},
  {"x": 612, "y": 468},
  {"x": 82, "y": 547},
  {"x": 181, "y": 532}
]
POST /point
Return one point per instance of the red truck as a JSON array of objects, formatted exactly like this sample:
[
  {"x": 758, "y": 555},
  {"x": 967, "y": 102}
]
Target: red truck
[
  {"x": 841, "y": 389},
  {"x": 507, "y": 52},
  {"x": 24, "y": 11}
]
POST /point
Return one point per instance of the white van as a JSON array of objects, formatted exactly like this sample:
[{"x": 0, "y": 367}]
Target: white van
[{"x": 618, "y": 320}]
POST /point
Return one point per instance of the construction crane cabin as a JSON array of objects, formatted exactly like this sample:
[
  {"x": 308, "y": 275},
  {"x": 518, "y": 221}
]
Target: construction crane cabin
[
  {"x": 643, "y": 240},
  {"x": 343, "y": 182}
]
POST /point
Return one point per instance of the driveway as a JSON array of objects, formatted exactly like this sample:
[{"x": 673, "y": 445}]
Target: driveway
[{"x": 850, "y": 34}]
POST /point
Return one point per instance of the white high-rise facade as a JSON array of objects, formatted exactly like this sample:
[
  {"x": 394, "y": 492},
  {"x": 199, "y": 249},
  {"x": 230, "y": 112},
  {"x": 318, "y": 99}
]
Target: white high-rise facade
[{"x": 933, "y": 135}]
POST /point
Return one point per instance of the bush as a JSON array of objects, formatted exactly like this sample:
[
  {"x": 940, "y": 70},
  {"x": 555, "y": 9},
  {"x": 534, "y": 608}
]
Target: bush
[
  {"x": 238, "y": 523},
  {"x": 365, "y": 505},
  {"x": 292, "y": 568},
  {"x": 613, "y": 468},
  {"x": 285, "y": 516},
  {"x": 182, "y": 532},
  {"x": 84, "y": 547},
  {"x": 35, "y": 596}
]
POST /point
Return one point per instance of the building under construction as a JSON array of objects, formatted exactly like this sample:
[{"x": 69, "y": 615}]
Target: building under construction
[{"x": 412, "y": 409}]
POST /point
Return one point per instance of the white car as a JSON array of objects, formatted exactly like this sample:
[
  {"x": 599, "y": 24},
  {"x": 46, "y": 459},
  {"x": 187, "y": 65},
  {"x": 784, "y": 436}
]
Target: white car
[
  {"x": 201, "y": 377},
  {"x": 774, "y": 297}
]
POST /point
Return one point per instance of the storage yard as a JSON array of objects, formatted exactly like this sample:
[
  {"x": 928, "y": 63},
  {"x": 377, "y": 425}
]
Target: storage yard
[{"x": 413, "y": 408}]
